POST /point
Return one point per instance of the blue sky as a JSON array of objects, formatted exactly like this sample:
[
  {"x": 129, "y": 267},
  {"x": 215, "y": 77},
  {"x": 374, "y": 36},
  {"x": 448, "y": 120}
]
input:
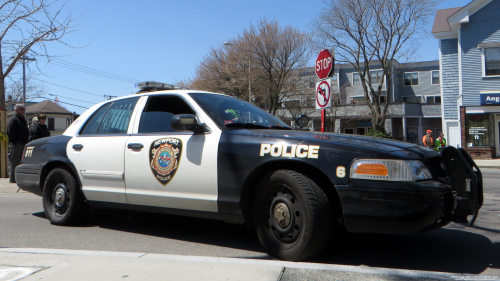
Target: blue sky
[{"x": 162, "y": 41}]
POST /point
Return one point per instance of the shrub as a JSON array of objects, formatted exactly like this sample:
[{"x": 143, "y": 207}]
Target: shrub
[{"x": 378, "y": 134}]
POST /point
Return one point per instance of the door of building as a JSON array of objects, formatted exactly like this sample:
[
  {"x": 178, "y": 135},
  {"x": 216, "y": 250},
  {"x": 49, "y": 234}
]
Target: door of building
[
  {"x": 497, "y": 142},
  {"x": 453, "y": 135}
]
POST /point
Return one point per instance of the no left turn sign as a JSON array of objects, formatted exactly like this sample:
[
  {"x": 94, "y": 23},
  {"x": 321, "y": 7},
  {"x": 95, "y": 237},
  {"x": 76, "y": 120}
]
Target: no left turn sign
[{"x": 323, "y": 94}]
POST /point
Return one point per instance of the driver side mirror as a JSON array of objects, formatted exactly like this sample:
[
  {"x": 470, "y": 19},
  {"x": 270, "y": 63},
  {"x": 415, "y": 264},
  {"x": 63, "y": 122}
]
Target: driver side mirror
[{"x": 188, "y": 122}]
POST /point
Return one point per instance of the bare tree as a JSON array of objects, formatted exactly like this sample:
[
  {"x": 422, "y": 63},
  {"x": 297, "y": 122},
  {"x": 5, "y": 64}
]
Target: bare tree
[
  {"x": 278, "y": 51},
  {"x": 226, "y": 70},
  {"x": 256, "y": 65},
  {"x": 373, "y": 32},
  {"x": 26, "y": 28},
  {"x": 14, "y": 90}
]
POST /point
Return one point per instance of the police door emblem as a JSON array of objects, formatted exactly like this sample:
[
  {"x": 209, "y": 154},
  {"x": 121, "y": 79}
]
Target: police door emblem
[{"x": 164, "y": 156}]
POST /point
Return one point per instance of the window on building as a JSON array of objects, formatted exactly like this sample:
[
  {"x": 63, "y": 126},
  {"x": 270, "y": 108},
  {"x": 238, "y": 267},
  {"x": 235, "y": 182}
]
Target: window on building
[
  {"x": 435, "y": 76},
  {"x": 434, "y": 99},
  {"x": 412, "y": 135},
  {"x": 355, "y": 78},
  {"x": 480, "y": 129},
  {"x": 335, "y": 79},
  {"x": 376, "y": 76},
  {"x": 312, "y": 82},
  {"x": 492, "y": 61},
  {"x": 410, "y": 78},
  {"x": 412, "y": 99},
  {"x": 382, "y": 98},
  {"x": 349, "y": 131},
  {"x": 292, "y": 103},
  {"x": 51, "y": 124},
  {"x": 360, "y": 131},
  {"x": 358, "y": 100}
]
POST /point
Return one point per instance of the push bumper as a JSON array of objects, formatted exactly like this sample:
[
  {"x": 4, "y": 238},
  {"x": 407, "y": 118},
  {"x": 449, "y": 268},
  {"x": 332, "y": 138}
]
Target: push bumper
[
  {"x": 28, "y": 178},
  {"x": 395, "y": 207}
]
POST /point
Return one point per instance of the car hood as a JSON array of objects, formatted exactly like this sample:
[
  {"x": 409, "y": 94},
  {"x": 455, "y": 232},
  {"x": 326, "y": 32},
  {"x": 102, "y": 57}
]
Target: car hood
[{"x": 372, "y": 143}]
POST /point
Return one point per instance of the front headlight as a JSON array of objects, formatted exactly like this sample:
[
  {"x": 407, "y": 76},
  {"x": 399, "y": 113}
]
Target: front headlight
[{"x": 389, "y": 170}]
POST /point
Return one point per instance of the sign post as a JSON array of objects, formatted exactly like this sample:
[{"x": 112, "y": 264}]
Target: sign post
[{"x": 324, "y": 70}]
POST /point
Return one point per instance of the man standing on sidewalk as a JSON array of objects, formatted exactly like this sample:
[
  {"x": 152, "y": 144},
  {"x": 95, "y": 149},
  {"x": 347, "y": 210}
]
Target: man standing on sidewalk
[
  {"x": 427, "y": 140},
  {"x": 18, "y": 133}
]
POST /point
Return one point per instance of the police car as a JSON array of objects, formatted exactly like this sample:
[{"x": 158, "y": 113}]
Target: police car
[{"x": 209, "y": 155}]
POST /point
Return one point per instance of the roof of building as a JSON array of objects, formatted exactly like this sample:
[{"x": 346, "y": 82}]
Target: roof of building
[
  {"x": 46, "y": 107},
  {"x": 441, "y": 20}
]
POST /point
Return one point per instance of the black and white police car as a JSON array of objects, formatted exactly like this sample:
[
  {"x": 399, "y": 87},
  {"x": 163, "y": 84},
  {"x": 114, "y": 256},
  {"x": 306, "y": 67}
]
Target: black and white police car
[{"x": 194, "y": 153}]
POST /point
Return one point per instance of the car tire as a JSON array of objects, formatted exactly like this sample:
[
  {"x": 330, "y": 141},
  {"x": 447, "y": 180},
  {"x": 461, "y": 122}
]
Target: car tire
[
  {"x": 292, "y": 215},
  {"x": 63, "y": 201}
]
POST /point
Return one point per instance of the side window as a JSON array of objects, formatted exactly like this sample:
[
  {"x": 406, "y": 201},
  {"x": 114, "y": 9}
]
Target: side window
[
  {"x": 112, "y": 118},
  {"x": 159, "y": 110}
]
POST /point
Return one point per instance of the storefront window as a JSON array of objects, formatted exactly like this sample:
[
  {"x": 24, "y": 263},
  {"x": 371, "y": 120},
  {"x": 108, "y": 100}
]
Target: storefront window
[{"x": 480, "y": 130}]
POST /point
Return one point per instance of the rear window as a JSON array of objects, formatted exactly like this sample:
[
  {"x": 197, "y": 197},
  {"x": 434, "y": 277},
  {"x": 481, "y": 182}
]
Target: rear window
[{"x": 111, "y": 118}]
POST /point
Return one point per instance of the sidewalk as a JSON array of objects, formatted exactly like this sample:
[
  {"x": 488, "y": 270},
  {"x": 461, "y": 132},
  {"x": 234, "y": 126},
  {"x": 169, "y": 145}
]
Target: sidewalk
[
  {"x": 488, "y": 163},
  {"x": 51, "y": 264},
  {"x": 7, "y": 187}
]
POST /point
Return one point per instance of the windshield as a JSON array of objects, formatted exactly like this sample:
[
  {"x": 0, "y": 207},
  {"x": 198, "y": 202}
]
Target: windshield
[{"x": 233, "y": 113}]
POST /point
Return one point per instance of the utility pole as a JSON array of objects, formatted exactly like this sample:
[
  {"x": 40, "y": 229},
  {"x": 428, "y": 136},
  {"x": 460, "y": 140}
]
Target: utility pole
[
  {"x": 110, "y": 97},
  {"x": 249, "y": 79},
  {"x": 24, "y": 79}
]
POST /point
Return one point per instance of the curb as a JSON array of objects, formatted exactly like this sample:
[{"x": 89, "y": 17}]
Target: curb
[{"x": 276, "y": 266}]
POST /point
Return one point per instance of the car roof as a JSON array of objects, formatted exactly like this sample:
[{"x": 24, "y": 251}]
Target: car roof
[{"x": 162, "y": 92}]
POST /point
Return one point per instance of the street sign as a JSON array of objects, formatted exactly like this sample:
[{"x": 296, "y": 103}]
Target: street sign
[
  {"x": 324, "y": 64},
  {"x": 323, "y": 94}
]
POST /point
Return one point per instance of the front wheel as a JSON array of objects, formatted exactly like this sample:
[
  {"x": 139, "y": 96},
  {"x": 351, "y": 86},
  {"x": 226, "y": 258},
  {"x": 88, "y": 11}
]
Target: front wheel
[
  {"x": 292, "y": 215},
  {"x": 63, "y": 202}
]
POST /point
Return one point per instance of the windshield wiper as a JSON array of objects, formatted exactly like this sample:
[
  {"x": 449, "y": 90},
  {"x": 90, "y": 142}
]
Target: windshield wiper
[
  {"x": 279, "y": 127},
  {"x": 256, "y": 126},
  {"x": 246, "y": 126}
]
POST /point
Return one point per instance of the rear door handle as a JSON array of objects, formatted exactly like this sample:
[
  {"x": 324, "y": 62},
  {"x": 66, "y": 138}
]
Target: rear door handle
[
  {"x": 77, "y": 146},
  {"x": 135, "y": 145}
]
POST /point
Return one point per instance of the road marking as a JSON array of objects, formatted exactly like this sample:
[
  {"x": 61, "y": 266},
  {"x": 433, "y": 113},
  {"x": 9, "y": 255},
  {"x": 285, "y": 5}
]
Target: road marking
[{"x": 16, "y": 273}]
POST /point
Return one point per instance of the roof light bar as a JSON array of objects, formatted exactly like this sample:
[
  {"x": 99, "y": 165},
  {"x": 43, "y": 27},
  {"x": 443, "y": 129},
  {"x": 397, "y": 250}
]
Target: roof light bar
[{"x": 155, "y": 86}]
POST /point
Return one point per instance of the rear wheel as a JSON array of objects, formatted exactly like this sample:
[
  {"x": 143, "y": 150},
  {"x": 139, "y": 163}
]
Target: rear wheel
[
  {"x": 63, "y": 202},
  {"x": 292, "y": 215}
]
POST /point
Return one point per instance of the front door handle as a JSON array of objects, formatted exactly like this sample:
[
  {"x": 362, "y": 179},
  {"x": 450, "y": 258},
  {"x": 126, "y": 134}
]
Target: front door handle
[
  {"x": 135, "y": 145},
  {"x": 77, "y": 146}
]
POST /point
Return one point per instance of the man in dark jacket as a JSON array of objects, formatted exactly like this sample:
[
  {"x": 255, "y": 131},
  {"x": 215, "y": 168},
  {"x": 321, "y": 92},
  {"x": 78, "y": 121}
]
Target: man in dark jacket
[
  {"x": 18, "y": 133},
  {"x": 40, "y": 129}
]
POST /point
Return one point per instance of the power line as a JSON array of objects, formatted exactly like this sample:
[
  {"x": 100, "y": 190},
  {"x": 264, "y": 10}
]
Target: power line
[
  {"x": 71, "y": 98},
  {"x": 91, "y": 71},
  {"x": 73, "y": 104},
  {"x": 67, "y": 87},
  {"x": 133, "y": 80}
]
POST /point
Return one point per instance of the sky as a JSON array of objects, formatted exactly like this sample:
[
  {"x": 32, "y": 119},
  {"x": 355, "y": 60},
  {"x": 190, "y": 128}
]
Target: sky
[{"x": 159, "y": 40}]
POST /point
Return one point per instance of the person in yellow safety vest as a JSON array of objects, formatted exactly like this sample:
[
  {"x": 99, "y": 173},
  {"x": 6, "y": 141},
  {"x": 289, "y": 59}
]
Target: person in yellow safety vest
[
  {"x": 427, "y": 140},
  {"x": 440, "y": 142}
]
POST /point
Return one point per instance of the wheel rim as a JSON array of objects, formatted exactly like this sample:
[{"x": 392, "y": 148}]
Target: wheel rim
[
  {"x": 60, "y": 198},
  {"x": 284, "y": 215}
]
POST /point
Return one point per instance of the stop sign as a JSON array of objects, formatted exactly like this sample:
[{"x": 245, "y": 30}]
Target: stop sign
[{"x": 324, "y": 64}]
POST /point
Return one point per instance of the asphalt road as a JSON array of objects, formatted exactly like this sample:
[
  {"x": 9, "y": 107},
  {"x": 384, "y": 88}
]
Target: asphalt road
[{"x": 453, "y": 249}]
